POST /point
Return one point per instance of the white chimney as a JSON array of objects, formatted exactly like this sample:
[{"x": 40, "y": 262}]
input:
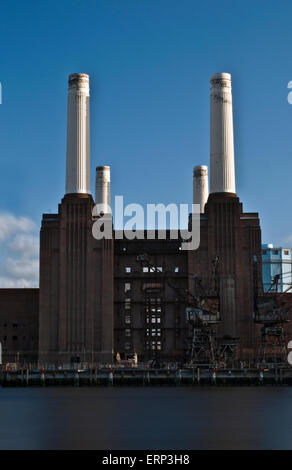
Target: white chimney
[
  {"x": 103, "y": 186},
  {"x": 222, "y": 172},
  {"x": 78, "y": 135},
  {"x": 200, "y": 186}
]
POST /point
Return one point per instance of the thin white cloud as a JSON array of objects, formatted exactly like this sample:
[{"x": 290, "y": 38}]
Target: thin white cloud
[
  {"x": 26, "y": 244},
  {"x": 7, "y": 282},
  {"x": 22, "y": 268},
  {"x": 19, "y": 251},
  {"x": 10, "y": 225}
]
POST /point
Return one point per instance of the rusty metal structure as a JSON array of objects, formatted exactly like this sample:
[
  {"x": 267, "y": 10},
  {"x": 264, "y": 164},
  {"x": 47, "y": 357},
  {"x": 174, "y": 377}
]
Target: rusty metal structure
[
  {"x": 202, "y": 314},
  {"x": 202, "y": 317},
  {"x": 272, "y": 314}
]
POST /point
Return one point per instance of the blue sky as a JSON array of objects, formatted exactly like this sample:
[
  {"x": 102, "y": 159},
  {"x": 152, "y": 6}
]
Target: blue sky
[{"x": 150, "y": 62}]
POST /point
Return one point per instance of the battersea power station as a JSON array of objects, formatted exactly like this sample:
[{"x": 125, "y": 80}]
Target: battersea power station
[{"x": 104, "y": 299}]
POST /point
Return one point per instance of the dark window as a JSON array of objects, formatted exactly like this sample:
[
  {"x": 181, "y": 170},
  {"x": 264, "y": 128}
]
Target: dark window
[{"x": 15, "y": 338}]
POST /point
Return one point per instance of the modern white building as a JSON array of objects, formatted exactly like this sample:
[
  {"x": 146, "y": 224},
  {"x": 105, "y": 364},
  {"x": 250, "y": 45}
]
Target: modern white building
[{"x": 277, "y": 261}]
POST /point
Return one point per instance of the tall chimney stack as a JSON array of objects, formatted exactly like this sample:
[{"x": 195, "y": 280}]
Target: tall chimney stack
[
  {"x": 103, "y": 186},
  {"x": 222, "y": 172},
  {"x": 78, "y": 135},
  {"x": 200, "y": 186}
]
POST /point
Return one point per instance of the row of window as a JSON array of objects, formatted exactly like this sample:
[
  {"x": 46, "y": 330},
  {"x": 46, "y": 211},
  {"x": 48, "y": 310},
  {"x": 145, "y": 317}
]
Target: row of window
[
  {"x": 152, "y": 345},
  {"x": 153, "y": 308},
  {"x": 153, "y": 318},
  {"x": 15, "y": 338},
  {"x": 150, "y": 269},
  {"x": 147, "y": 309},
  {"x": 148, "y": 300},
  {"x": 149, "y": 332},
  {"x": 151, "y": 301},
  {"x": 153, "y": 332},
  {"x": 150, "y": 318},
  {"x": 276, "y": 252},
  {"x": 14, "y": 325}
]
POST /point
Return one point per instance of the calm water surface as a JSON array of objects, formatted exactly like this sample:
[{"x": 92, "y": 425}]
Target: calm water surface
[{"x": 146, "y": 418}]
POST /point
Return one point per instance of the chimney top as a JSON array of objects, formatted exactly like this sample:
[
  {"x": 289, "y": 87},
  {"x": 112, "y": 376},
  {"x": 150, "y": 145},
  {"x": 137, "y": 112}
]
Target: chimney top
[
  {"x": 200, "y": 170},
  {"x": 105, "y": 167},
  {"x": 78, "y": 80},
  {"x": 221, "y": 80}
]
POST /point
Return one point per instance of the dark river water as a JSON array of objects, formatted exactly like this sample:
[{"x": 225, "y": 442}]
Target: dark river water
[{"x": 146, "y": 418}]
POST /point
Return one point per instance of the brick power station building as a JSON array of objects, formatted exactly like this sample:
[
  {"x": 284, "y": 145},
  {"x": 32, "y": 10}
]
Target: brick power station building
[{"x": 96, "y": 299}]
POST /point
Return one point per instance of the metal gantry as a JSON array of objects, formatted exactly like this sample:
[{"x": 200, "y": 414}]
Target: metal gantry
[
  {"x": 202, "y": 317},
  {"x": 227, "y": 351},
  {"x": 202, "y": 313},
  {"x": 272, "y": 314}
]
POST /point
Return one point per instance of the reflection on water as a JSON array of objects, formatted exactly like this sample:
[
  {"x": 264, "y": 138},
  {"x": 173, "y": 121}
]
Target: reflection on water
[{"x": 146, "y": 418}]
